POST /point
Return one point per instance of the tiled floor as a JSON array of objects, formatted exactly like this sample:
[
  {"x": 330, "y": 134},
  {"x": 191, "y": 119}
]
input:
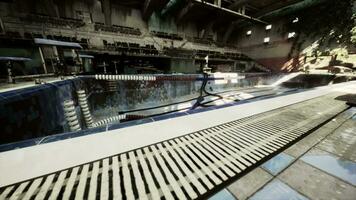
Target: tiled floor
[
  {"x": 277, "y": 163},
  {"x": 320, "y": 166},
  {"x": 250, "y": 183},
  {"x": 223, "y": 195},
  {"x": 316, "y": 184},
  {"x": 338, "y": 167},
  {"x": 277, "y": 190}
]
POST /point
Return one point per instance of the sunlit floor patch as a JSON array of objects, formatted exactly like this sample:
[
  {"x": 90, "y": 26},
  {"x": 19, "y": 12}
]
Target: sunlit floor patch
[
  {"x": 277, "y": 163},
  {"x": 343, "y": 169},
  {"x": 354, "y": 117},
  {"x": 223, "y": 195},
  {"x": 277, "y": 190}
]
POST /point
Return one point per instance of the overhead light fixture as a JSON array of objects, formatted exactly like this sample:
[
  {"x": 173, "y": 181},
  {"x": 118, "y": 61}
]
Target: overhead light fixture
[
  {"x": 249, "y": 32},
  {"x": 269, "y": 27},
  {"x": 295, "y": 20}
]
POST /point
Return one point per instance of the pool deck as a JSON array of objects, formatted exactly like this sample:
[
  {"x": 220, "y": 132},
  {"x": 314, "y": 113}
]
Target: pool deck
[
  {"x": 6, "y": 87},
  {"x": 297, "y": 146},
  {"x": 320, "y": 166}
]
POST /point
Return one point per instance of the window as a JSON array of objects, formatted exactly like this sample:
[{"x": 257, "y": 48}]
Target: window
[
  {"x": 269, "y": 27},
  {"x": 249, "y": 32},
  {"x": 266, "y": 40},
  {"x": 291, "y": 35}
]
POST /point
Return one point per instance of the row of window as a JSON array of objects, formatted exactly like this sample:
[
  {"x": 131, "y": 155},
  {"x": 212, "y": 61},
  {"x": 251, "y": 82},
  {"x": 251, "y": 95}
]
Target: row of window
[{"x": 269, "y": 27}]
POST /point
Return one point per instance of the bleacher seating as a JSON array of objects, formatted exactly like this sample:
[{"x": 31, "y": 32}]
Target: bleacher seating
[
  {"x": 171, "y": 36},
  {"x": 131, "y": 48},
  {"x": 217, "y": 55},
  {"x": 28, "y": 36},
  {"x": 207, "y": 41},
  {"x": 13, "y": 34},
  {"x": 117, "y": 29},
  {"x": 53, "y": 21}
]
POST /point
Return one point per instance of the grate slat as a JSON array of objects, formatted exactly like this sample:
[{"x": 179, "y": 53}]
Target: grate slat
[
  {"x": 18, "y": 192},
  {"x": 116, "y": 178},
  {"x": 148, "y": 176},
  {"x": 138, "y": 177},
  {"x": 187, "y": 187},
  {"x": 127, "y": 177},
  {"x": 45, "y": 187},
  {"x": 104, "y": 189},
  {"x": 163, "y": 186},
  {"x": 82, "y": 182},
  {"x": 34, "y": 186},
  {"x": 94, "y": 181},
  {"x": 58, "y": 185}
]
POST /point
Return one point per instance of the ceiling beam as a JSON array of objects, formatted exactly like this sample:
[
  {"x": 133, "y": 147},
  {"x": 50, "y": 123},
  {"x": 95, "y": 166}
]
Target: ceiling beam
[
  {"x": 275, "y": 6},
  {"x": 152, "y": 5},
  {"x": 228, "y": 11},
  {"x": 183, "y": 13}
]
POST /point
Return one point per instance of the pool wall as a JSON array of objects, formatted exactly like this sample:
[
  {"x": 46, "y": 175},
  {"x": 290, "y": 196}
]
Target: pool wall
[{"x": 38, "y": 111}]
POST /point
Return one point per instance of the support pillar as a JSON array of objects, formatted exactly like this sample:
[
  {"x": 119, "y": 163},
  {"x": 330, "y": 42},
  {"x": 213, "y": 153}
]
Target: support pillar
[
  {"x": 42, "y": 60},
  {"x": 217, "y": 2},
  {"x": 107, "y": 12},
  {"x": 228, "y": 32}
]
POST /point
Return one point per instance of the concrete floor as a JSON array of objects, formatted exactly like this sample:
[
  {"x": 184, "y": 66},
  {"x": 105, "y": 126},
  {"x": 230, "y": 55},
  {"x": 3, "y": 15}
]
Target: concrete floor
[
  {"x": 320, "y": 166},
  {"x": 5, "y": 87}
]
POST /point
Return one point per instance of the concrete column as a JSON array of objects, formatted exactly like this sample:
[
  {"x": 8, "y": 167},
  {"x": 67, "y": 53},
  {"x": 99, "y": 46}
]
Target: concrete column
[
  {"x": 51, "y": 7},
  {"x": 66, "y": 9},
  {"x": 228, "y": 32},
  {"x": 42, "y": 60},
  {"x": 203, "y": 33},
  {"x": 107, "y": 12},
  {"x": 9, "y": 72},
  {"x": 243, "y": 9}
]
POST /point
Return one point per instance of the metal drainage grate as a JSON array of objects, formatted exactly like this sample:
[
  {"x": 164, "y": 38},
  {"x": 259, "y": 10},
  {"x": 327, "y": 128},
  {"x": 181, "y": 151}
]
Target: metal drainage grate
[{"x": 182, "y": 168}]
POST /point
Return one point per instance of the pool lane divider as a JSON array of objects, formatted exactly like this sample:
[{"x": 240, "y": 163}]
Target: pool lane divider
[
  {"x": 125, "y": 77},
  {"x": 83, "y": 103},
  {"x": 71, "y": 115},
  {"x": 155, "y": 77},
  {"x": 109, "y": 120}
]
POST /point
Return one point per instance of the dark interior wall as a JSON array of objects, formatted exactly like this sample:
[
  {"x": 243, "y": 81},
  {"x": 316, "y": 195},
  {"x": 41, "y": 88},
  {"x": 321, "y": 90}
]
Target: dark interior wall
[
  {"x": 38, "y": 111},
  {"x": 31, "y": 67},
  {"x": 94, "y": 10}
]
